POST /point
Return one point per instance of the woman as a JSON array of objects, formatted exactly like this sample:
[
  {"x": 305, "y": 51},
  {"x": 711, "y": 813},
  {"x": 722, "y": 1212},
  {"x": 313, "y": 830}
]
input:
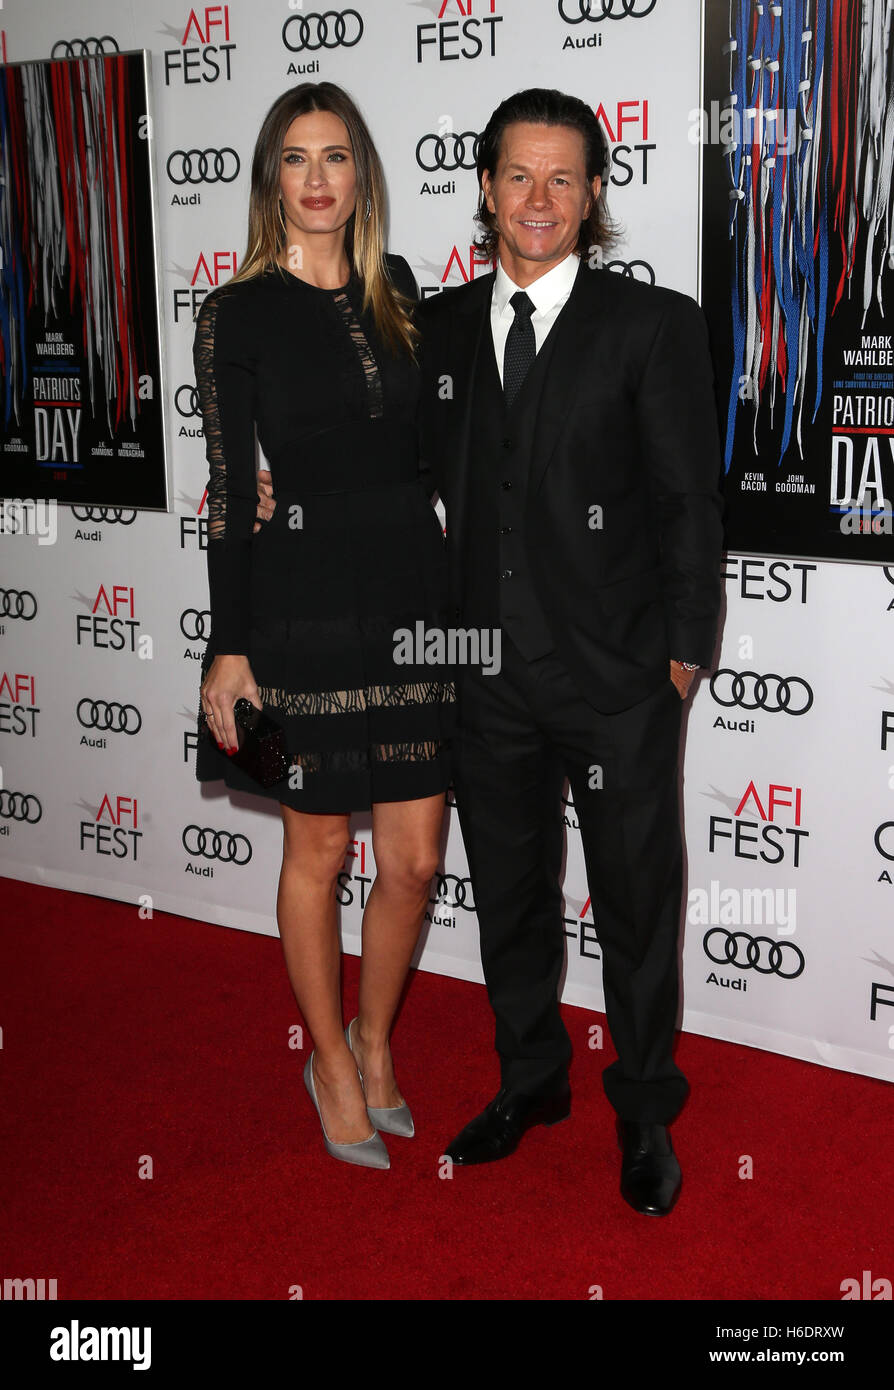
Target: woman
[{"x": 311, "y": 343}]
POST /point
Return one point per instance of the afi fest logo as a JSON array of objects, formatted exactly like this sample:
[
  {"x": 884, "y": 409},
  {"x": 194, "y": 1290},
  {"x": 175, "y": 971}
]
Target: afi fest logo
[
  {"x": 766, "y": 837},
  {"x": 18, "y": 704},
  {"x": 353, "y": 884},
  {"x": 112, "y": 624},
  {"x": 629, "y": 150},
  {"x": 777, "y": 581},
  {"x": 204, "y": 51},
  {"x": 457, "y": 268},
  {"x": 113, "y": 830},
  {"x": 209, "y": 271},
  {"x": 462, "y": 29}
]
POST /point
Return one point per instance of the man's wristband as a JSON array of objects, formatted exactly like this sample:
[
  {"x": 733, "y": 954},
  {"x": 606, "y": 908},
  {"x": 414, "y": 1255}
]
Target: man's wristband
[{"x": 688, "y": 665}]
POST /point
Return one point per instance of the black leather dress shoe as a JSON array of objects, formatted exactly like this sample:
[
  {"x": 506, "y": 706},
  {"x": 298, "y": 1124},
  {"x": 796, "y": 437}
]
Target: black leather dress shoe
[
  {"x": 650, "y": 1170},
  {"x": 496, "y": 1132}
]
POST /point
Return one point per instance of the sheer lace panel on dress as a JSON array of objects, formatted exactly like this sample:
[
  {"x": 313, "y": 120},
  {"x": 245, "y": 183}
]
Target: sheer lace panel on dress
[
  {"x": 207, "y": 388},
  {"x": 358, "y": 699},
  {"x": 368, "y": 362},
  {"x": 355, "y": 760}
]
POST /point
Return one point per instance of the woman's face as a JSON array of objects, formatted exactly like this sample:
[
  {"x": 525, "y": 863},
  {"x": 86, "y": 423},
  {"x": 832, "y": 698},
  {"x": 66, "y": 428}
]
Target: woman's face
[{"x": 317, "y": 175}]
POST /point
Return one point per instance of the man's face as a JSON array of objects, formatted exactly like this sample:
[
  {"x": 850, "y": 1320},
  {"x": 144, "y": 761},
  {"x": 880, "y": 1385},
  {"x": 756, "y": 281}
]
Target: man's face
[{"x": 539, "y": 195}]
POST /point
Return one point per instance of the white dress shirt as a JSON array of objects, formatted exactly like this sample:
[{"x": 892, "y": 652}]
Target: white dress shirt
[{"x": 548, "y": 294}]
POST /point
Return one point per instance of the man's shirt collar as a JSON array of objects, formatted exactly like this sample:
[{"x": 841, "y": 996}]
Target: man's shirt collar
[{"x": 544, "y": 292}]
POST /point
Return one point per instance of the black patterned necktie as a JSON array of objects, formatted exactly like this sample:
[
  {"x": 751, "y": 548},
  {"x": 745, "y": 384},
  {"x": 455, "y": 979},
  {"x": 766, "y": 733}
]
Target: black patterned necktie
[{"x": 520, "y": 348}]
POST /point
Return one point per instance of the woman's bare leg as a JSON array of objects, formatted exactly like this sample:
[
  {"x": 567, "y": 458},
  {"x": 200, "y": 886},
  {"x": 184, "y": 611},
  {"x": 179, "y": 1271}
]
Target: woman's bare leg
[
  {"x": 314, "y": 848},
  {"x": 406, "y": 847}
]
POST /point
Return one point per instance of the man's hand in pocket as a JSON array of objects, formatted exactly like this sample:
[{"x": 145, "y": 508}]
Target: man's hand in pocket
[{"x": 266, "y": 500}]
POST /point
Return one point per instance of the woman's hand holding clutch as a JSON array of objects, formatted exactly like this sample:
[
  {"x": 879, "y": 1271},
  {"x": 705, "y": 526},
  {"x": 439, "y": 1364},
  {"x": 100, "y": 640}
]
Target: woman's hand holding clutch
[{"x": 229, "y": 679}]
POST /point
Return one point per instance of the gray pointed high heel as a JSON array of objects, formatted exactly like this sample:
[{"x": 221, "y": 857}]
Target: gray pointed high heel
[
  {"x": 393, "y": 1119},
  {"x": 366, "y": 1153}
]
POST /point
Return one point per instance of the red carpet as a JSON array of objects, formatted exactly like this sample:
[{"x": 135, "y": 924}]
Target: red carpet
[{"x": 169, "y": 1038}]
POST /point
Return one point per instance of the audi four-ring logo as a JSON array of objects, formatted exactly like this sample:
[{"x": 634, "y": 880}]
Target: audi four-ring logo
[
  {"x": 83, "y": 48},
  {"x": 885, "y": 825},
  {"x": 109, "y": 715},
  {"x": 120, "y": 516},
  {"x": 216, "y": 844},
  {"x": 203, "y": 166},
  {"x": 449, "y": 152},
  {"x": 632, "y": 270},
  {"x": 17, "y": 603},
  {"x": 20, "y": 806},
  {"x": 760, "y": 953},
  {"x": 195, "y": 625},
  {"x": 748, "y": 690},
  {"x": 186, "y": 401},
  {"x": 594, "y": 11},
  {"x": 454, "y": 891},
  {"x": 330, "y": 29}
]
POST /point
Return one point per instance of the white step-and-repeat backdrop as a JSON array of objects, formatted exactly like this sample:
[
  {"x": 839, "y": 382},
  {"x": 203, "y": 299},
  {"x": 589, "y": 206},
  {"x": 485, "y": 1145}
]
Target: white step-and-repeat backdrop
[{"x": 789, "y": 767}]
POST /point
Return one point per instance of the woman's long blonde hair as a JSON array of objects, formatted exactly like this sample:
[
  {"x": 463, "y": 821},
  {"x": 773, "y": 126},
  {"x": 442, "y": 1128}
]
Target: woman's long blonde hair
[{"x": 364, "y": 235}]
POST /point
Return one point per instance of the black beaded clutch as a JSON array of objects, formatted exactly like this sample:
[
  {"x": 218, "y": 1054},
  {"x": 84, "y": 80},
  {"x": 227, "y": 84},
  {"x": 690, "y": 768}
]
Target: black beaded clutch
[{"x": 262, "y": 751}]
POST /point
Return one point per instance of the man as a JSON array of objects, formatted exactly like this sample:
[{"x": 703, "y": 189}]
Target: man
[{"x": 568, "y": 420}]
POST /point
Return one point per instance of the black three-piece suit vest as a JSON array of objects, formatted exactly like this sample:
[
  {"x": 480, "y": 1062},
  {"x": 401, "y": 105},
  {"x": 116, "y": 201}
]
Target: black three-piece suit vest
[{"x": 498, "y": 590}]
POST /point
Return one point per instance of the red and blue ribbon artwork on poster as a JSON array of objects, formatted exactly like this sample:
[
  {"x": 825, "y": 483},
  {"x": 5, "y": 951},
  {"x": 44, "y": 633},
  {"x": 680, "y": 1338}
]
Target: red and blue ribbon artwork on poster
[
  {"x": 797, "y": 135},
  {"x": 82, "y": 417}
]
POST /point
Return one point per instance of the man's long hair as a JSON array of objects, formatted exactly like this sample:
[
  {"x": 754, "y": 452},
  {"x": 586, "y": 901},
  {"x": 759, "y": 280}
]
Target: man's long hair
[
  {"x": 546, "y": 106},
  {"x": 364, "y": 235}
]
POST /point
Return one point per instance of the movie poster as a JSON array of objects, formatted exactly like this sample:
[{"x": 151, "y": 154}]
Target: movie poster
[
  {"x": 82, "y": 396},
  {"x": 797, "y": 134}
]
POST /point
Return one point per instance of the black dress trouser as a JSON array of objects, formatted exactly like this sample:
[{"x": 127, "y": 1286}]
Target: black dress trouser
[{"x": 520, "y": 732}]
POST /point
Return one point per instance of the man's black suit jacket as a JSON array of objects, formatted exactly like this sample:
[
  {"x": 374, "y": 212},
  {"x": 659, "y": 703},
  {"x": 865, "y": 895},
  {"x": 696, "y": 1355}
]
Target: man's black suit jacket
[{"x": 626, "y": 424}]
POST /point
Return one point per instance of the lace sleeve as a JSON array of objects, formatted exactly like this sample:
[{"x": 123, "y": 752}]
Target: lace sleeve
[{"x": 225, "y": 385}]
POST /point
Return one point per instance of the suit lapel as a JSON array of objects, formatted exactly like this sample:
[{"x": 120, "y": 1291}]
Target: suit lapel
[{"x": 473, "y": 340}]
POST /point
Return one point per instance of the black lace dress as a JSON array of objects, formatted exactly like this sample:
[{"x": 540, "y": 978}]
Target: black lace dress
[{"x": 322, "y": 598}]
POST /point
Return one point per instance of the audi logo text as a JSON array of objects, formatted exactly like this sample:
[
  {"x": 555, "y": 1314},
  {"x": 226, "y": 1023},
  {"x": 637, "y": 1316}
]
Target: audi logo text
[
  {"x": 108, "y": 715},
  {"x": 885, "y": 825},
  {"x": 20, "y": 806},
  {"x": 84, "y": 48},
  {"x": 632, "y": 270},
  {"x": 194, "y": 625},
  {"x": 120, "y": 516},
  {"x": 448, "y": 152},
  {"x": 594, "y": 11},
  {"x": 760, "y": 953},
  {"x": 17, "y": 603},
  {"x": 455, "y": 892},
  {"x": 748, "y": 690},
  {"x": 216, "y": 844},
  {"x": 186, "y": 401},
  {"x": 307, "y": 33},
  {"x": 203, "y": 166}
]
